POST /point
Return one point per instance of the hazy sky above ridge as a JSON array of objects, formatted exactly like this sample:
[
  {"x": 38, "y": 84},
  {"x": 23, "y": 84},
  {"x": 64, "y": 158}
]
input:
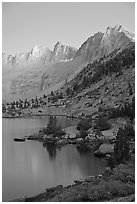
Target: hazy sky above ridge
[{"x": 27, "y": 24}]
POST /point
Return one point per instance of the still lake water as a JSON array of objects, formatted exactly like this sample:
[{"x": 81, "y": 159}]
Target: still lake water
[{"x": 29, "y": 167}]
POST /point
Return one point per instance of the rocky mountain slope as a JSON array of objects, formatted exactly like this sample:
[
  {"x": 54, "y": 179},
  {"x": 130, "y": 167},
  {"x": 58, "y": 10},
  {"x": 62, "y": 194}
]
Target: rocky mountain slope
[
  {"x": 103, "y": 84},
  {"x": 42, "y": 70}
]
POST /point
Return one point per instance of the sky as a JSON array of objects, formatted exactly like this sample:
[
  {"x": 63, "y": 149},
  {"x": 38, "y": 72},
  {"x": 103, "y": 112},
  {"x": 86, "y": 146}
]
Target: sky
[{"x": 27, "y": 24}]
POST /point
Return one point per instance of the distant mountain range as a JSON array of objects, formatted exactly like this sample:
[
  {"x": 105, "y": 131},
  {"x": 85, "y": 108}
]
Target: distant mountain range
[
  {"x": 41, "y": 70},
  {"x": 41, "y": 54}
]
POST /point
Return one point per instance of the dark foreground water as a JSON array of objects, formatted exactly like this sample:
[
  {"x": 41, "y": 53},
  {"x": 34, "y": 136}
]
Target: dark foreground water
[{"x": 29, "y": 167}]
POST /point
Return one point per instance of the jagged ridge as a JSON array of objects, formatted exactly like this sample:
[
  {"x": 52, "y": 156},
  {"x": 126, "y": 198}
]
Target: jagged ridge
[
  {"x": 41, "y": 54},
  {"x": 49, "y": 70}
]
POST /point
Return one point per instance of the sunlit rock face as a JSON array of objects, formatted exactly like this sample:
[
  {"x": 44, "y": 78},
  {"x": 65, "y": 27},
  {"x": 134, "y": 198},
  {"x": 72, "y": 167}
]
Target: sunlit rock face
[
  {"x": 8, "y": 59},
  {"x": 90, "y": 48},
  {"x": 62, "y": 53},
  {"x": 37, "y": 54},
  {"x": 41, "y": 54},
  {"x": 102, "y": 44},
  {"x": 114, "y": 38}
]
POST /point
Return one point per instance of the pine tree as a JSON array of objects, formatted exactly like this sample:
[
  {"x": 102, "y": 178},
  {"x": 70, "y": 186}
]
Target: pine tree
[
  {"x": 130, "y": 89},
  {"x": 121, "y": 148},
  {"x": 53, "y": 127},
  {"x": 68, "y": 91}
]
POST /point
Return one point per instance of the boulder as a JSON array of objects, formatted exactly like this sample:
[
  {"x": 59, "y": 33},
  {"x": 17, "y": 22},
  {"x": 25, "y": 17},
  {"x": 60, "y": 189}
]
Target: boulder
[
  {"x": 108, "y": 135},
  {"x": 51, "y": 137},
  {"x": 45, "y": 137},
  {"x": 79, "y": 140},
  {"x": 91, "y": 130},
  {"x": 56, "y": 138},
  {"x": 90, "y": 137},
  {"x": 66, "y": 136},
  {"x": 99, "y": 176},
  {"x": 104, "y": 149},
  {"x": 80, "y": 181},
  {"x": 48, "y": 137},
  {"x": 71, "y": 131},
  {"x": 62, "y": 142},
  {"x": 72, "y": 141},
  {"x": 90, "y": 178},
  {"x": 72, "y": 136}
]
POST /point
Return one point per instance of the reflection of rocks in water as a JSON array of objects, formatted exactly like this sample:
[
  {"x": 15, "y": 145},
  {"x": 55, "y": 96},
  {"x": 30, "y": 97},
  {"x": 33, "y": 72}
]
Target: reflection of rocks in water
[
  {"x": 83, "y": 151},
  {"x": 51, "y": 149}
]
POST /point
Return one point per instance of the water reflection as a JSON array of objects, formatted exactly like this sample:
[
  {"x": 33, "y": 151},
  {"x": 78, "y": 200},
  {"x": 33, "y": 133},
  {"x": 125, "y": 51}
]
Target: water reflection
[
  {"x": 51, "y": 149},
  {"x": 28, "y": 168},
  {"x": 83, "y": 151}
]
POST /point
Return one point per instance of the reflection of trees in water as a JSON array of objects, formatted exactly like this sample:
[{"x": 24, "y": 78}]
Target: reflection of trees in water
[
  {"x": 83, "y": 151},
  {"x": 51, "y": 149}
]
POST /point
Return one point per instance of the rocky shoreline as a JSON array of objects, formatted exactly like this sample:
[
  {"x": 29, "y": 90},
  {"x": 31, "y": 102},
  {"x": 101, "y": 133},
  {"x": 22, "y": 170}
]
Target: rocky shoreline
[
  {"x": 101, "y": 146},
  {"x": 92, "y": 141},
  {"x": 57, "y": 189}
]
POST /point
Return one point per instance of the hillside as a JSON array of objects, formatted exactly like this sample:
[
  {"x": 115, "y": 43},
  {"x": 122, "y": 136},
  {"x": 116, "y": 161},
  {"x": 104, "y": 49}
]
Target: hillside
[
  {"x": 96, "y": 89},
  {"x": 27, "y": 82},
  {"x": 103, "y": 83}
]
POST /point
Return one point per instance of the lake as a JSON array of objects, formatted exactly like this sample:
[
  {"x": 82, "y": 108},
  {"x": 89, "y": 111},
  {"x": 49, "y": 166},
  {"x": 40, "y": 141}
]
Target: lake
[{"x": 29, "y": 167}]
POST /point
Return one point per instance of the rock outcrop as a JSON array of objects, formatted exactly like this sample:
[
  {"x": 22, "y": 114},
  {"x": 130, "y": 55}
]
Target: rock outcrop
[{"x": 104, "y": 149}]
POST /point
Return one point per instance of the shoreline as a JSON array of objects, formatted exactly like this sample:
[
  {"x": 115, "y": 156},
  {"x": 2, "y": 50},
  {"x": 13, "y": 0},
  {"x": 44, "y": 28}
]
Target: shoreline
[
  {"x": 55, "y": 188},
  {"x": 104, "y": 187},
  {"x": 38, "y": 115}
]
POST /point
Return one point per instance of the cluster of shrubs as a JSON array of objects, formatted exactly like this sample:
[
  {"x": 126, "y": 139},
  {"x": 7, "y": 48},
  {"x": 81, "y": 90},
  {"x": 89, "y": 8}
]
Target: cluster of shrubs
[
  {"x": 127, "y": 110},
  {"x": 121, "y": 147},
  {"x": 83, "y": 126},
  {"x": 23, "y": 104},
  {"x": 53, "y": 127},
  {"x": 103, "y": 191},
  {"x": 102, "y": 124},
  {"x": 55, "y": 96}
]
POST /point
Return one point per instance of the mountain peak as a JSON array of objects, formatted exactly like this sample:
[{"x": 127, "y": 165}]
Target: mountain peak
[
  {"x": 129, "y": 34},
  {"x": 58, "y": 43},
  {"x": 118, "y": 27},
  {"x": 38, "y": 49},
  {"x": 62, "y": 52}
]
